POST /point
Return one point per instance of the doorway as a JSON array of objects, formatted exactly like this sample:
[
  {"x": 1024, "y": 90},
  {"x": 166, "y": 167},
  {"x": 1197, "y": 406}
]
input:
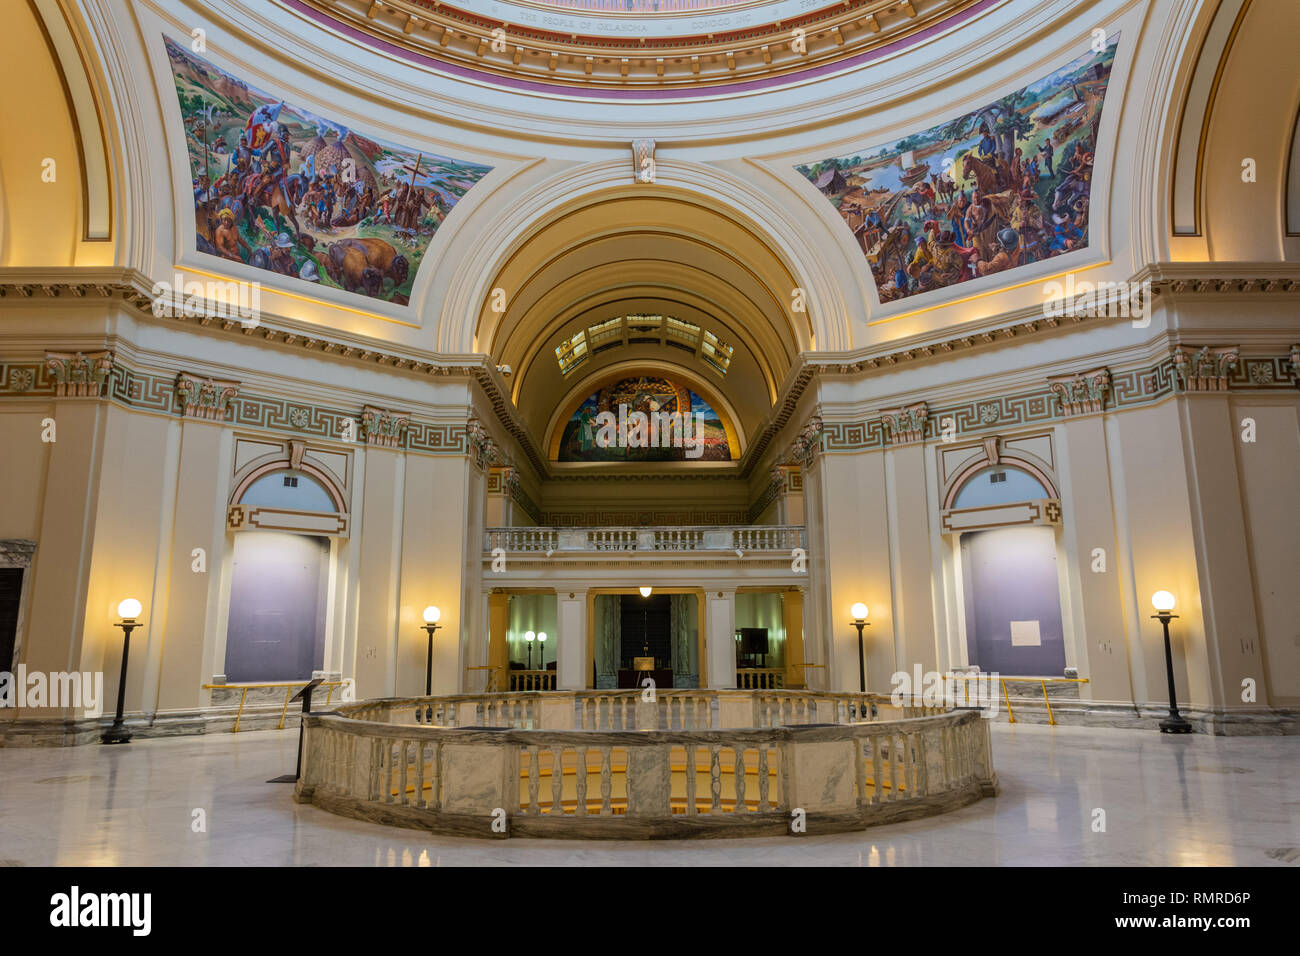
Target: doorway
[
  {"x": 278, "y": 594},
  {"x": 11, "y": 593},
  {"x": 1013, "y": 601}
]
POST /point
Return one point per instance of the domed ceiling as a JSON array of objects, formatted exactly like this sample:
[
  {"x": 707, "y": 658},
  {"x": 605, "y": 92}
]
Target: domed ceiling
[{"x": 656, "y": 47}]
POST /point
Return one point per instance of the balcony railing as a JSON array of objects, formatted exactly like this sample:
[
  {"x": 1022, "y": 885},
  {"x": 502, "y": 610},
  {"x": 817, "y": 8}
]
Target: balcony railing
[{"x": 744, "y": 538}]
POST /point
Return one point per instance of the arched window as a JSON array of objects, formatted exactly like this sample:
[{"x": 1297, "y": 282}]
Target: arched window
[
  {"x": 290, "y": 490},
  {"x": 999, "y": 485}
]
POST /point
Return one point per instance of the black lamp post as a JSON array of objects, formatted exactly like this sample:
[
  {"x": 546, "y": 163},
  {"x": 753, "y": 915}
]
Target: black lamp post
[
  {"x": 529, "y": 637},
  {"x": 860, "y": 612},
  {"x": 1163, "y": 602},
  {"x": 129, "y": 610},
  {"x": 431, "y": 615}
]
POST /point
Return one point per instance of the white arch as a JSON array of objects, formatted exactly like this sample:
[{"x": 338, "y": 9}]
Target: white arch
[{"x": 773, "y": 224}]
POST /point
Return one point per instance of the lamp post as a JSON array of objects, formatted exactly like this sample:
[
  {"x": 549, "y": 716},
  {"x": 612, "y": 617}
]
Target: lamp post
[
  {"x": 860, "y": 612},
  {"x": 529, "y": 637},
  {"x": 129, "y": 610},
  {"x": 431, "y": 615},
  {"x": 541, "y": 649},
  {"x": 1163, "y": 602}
]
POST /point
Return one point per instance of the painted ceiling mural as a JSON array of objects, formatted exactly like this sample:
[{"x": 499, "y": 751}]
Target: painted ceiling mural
[
  {"x": 644, "y": 418},
  {"x": 282, "y": 189},
  {"x": 987, "y": 192}
]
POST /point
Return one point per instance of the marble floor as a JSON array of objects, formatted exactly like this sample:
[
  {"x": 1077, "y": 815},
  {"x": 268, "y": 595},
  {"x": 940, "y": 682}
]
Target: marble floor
[{"x": 1193, "y": 800}]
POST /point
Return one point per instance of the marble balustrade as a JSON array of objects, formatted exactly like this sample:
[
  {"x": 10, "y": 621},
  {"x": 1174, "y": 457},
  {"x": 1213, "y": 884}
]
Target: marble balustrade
[{"x": 611, "y": 765}]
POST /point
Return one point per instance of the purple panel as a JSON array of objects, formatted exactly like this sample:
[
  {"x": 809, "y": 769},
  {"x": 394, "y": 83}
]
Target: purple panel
[
  {"x": 277, "y": 607},
  {"x": 1009, "y": 575}
]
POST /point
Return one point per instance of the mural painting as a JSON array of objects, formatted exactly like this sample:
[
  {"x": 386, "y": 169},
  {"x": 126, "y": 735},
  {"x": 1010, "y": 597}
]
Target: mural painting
[
  {"x": 987, "y": 192},
  {"x": 283, "y": 189},
  {"x": 644, "y": 418}
]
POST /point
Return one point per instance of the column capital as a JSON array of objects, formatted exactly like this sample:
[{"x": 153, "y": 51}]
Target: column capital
[
  {"x": 905, "y": 424},
  {"x": 205, "y": 398},
  {"x": 79, "y": 374},
  {"x": 1204, "y": 368},
  {"x": 383, "y": 427},
  {"x": 1081, "y": 393}
]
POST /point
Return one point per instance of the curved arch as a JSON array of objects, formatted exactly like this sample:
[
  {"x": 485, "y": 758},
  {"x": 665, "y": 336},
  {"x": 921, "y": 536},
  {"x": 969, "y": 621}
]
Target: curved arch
[
  {"x": 577, "y": 394},
  {"x": 1010, "y": 460},
  {"x": 467, "y": 320},
  {"x": 283, "y": 464}
]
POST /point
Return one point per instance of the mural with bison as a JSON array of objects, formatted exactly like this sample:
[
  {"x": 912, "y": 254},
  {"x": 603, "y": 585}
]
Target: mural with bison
[{"x": 283, "y": 189}]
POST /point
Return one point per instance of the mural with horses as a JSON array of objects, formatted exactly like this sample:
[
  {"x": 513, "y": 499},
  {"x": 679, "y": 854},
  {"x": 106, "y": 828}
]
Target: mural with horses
[
  {"x": 282, "y": 189},
  {"x": 989, "y": 191}
]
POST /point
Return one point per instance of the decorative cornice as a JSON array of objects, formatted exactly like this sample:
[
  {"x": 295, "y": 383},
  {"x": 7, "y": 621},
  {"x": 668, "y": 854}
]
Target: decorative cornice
[
  {"x": 134, "y": 289},
  {"x": 1204, "y": 369},
  {"x": 447, "y": 34},
  {"x": 380, "y": 426},
  {"x": 1081, "y": 392},
  {"x": 906, "y": 424},
  {"x": 807, "y": 443},
  {"x": 79, "y": 374},
  {"x": 1295, "y": 364},
  {"x": 205, "y": 398}
]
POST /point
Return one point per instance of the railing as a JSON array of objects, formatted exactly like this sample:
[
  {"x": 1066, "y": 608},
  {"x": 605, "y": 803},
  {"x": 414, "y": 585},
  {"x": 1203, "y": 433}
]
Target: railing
[
  {"x": 532, "y": 680},
  {"x": 747, "y": 538},
  {"x": 475, "y": 780},
  {"x": 288, "y": 686},
  {"x": 760, "y": 678},
  {"x": 1041, "y": 681}
]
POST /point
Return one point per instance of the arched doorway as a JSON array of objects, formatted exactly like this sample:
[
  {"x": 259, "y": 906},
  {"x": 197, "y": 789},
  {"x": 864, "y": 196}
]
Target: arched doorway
[
  {"x": 280, "y": 580},
  {"x": 1009, "y": 573}
]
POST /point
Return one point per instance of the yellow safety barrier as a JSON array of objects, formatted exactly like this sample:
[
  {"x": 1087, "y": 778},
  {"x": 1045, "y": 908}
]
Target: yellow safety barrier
[
  {"x": 288, "y": 695},
  {"x": 1042, "y": 681}
]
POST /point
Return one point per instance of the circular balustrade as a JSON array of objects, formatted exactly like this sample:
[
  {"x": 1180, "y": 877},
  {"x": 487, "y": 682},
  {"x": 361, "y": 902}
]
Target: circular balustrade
[{"x": 612, "y": 765}]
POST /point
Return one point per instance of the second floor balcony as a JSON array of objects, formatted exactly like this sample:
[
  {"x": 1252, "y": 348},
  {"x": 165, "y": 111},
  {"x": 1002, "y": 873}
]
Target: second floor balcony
[{"x": 758, "y": 540}]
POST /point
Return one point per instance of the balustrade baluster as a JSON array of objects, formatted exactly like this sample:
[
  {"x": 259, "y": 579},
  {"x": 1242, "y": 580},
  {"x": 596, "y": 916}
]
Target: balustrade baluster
[
  {"x": 557, "y": 781},
  {"x": 877, "y": 776},
  {"x": 581, "y": 808},
  {"x": 738, "y": 775},
  {"x": 419, "y": 802},
  {"x": 534, "y": 781},
  {"x": 691, "y": 808},
  {"x": 764, "y": 783},
  {"x": 909, "y": 766},
  {"x": 401, "y": 794},
  {"x": 715, "y": 779},
  {"x": 606, "y": 780}
]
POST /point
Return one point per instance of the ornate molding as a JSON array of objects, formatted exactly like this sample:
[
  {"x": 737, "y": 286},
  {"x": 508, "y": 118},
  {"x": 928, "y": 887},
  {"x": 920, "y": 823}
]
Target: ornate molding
[
  {"x": 1295, "y": 364},
  {"x": 16, "y": 552},
  {"x": 807, "y": 443},
  {"x": 905, "y": 424},
  {"x": 79, "y": 374},
  {"x": 382, "y": 427},
  {"x": 1082, "y": 392},
  {"x": 643, "y": 160},
  {"x": 205, "y": 398},
  {"x": 1204, "y": 369}
]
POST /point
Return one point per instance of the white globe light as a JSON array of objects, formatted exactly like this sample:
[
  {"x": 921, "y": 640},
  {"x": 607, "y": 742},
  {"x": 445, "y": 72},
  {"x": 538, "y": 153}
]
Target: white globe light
[
  {"x": 431, "y": 615},
  {"x": 541, "y": 636},
  {"x": 529, "y": 635},
  {"x": 645, "y": 591},
  {"x": 859, "y": 611},
  {"x": 1163, "y": 601},
  {"x": 130, "y": 609}
]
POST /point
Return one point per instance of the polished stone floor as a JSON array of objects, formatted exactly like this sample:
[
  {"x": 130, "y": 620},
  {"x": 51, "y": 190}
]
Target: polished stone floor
[{"x": 1192, "y": 800}]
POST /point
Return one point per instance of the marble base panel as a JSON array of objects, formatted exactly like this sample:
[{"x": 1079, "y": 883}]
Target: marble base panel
[
  {"x": 73, "y": 732},
  {"x": 1258, "y": 722}
]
